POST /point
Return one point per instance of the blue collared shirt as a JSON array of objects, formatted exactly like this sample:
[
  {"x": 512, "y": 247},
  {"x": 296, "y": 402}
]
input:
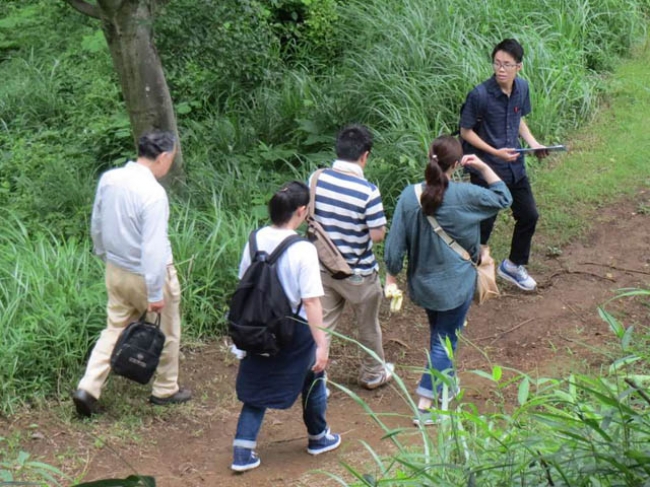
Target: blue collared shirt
[{"x": 499, "y": 127}]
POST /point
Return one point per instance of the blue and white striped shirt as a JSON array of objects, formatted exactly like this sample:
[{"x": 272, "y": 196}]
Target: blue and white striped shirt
[{"x": 348, "y": 206}]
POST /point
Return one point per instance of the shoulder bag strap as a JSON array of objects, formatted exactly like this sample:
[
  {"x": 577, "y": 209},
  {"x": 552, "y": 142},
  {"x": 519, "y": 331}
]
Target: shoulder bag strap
[
  {"x": 440, "y": 231},
  {"x": 312, "y": 192}
]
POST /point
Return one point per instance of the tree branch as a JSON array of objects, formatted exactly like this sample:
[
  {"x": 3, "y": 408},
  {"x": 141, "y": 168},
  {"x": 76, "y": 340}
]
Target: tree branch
[{"x": 85, "y": 8}]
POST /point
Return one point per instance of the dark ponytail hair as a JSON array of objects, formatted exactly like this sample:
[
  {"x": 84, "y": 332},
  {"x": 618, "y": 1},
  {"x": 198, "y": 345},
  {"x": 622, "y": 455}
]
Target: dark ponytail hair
[
  {"x": 287, "y": 200},
  {"x": 445, "y": 151}
]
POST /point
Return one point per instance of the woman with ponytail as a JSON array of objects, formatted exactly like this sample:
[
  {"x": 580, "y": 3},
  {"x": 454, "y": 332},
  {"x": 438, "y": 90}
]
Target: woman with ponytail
[
  {"x": 275, "y": 382},
  {"x": 439, "y": 280}
]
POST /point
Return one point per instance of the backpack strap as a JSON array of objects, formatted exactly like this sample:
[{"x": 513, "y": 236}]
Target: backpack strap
[
  {"x": 482, "y": 103},
  {"x": 284, "y": 245},
  {"x": 279, "y": 250},
  {"x": 252, "y": 244}
]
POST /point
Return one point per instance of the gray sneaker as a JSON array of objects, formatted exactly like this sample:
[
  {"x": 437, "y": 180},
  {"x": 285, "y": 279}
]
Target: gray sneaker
[{"x": 384, "y": 378}]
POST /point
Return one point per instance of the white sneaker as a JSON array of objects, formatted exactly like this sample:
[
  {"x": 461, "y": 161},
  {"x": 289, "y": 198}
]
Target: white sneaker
[
  {"x": 517, "y": 275},
  {"x": 385, "y": 377}
]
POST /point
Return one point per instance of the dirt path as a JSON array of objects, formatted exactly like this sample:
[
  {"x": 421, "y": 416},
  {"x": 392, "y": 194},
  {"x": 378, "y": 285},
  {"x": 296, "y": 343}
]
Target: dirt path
[{"x": 544, "y": 334}]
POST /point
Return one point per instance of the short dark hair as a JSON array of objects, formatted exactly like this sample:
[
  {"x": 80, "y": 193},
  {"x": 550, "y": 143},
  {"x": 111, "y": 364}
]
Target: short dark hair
[
  {"x": 154, "y": 143},
  {"x": 510, "y": 46},
  {"x": 352, "y": 142},
  {"x": 287, "y": 200}
]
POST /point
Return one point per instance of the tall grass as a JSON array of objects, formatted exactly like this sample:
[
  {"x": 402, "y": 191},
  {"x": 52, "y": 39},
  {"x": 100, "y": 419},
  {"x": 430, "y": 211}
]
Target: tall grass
[
  {"x": 52, "y": 303},
  {"x": 53, "y": 299},
  {"x": 579, "y": 430},
  {"x": 401, "y": 67}
]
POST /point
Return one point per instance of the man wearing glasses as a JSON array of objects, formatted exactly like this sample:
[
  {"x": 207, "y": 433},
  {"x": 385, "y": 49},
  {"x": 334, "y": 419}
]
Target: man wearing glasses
[{"x": 491, "y": 122}]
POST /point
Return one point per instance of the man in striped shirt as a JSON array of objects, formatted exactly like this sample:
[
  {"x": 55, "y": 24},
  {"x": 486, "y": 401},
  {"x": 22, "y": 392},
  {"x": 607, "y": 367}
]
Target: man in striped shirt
[{"x": 350, "y": 210}]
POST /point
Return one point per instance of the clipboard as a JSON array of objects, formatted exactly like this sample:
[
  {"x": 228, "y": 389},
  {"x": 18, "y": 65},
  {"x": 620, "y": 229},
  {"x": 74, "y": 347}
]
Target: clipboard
[{"x": 550, "y": 148}]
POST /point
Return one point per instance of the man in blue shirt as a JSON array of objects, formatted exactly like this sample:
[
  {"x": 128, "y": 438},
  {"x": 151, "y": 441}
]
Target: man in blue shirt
[{"x": 491, "y": 122}]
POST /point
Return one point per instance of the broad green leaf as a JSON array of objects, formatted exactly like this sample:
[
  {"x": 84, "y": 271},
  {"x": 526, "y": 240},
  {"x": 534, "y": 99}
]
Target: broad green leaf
[
  {"x": 627, "y": 337},
  {"x": 497, "y": 372},
  {"x": 613, "y": 323},
  {"x": 524, "y": 389}
]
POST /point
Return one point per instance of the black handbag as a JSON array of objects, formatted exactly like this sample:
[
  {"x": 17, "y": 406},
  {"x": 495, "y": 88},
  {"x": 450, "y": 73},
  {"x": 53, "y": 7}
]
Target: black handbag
[{"x": 137, "y": 351}]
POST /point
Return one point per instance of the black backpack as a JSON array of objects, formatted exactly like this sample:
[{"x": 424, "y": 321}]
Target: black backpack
[
  {"x": 260, "y": 320},
  {"x": 137, "y": 351}
]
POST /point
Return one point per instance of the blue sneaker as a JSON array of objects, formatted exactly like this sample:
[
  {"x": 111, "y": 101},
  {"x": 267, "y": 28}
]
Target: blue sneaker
[
  {"x": 517, "y": 275},
  {"x": 322, "y": 443},
  {"x": 244, "y": 459}
]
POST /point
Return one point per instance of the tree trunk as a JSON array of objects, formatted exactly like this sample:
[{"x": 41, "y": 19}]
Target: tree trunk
[{"x": 128, "y": 27}]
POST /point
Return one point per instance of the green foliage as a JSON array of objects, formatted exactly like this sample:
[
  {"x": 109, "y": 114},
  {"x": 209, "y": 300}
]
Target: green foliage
[
  {"x": 306, "y": 29},
  {"x": 51, "y": 309},
  {"x": 260, "y": 87},
  {"x": 131, "y": 481},
  {"x": 24, "y": 471},
  {"x": 579, "y": 430},
  {"x": 212, "y": 48}
]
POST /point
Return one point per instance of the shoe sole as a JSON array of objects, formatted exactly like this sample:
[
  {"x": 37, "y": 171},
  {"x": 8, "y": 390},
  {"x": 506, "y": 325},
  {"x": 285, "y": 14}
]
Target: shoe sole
[
  {"x": 331, "y": 447},
  {"x": 372, "y": 387},
  {"x": 512, "y": 280},
  {"x": 426, "y": 422},
  {"x": 244, "y": 468},
  {"x": 167, "y": 401},
  {"x": 158, "y": 402}
]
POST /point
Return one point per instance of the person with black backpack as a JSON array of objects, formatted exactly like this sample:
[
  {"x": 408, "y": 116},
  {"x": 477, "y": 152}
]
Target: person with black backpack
[{"x": 286, "y": 355}]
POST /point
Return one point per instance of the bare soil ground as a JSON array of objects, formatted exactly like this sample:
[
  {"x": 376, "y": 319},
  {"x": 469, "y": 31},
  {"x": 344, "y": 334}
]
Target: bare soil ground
[{"x": 546, "y": 333}]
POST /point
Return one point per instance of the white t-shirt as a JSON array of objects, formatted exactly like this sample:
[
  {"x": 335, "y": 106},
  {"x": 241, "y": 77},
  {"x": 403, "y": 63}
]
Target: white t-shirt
[{"x": 298, "y": 268}]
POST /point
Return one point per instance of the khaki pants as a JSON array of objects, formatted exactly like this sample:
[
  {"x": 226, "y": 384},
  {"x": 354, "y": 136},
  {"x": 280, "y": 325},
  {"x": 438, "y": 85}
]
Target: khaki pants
[
  {"x": 365, "y": 298},
  {"x": 127, "y": 299}
]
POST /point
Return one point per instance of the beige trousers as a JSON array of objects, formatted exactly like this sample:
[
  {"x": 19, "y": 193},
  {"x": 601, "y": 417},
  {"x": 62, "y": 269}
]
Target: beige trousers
[
  {"x": 364, "y": 298},
  {"x": 127, "y": 299}
]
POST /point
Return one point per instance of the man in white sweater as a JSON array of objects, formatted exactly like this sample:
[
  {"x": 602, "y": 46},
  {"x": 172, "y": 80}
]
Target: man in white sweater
[{"x": 129, "y": 232}]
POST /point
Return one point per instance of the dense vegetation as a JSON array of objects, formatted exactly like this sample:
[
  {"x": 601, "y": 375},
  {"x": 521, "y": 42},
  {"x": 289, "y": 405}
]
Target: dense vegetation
[
  {"x": 576, "y": 431},
  {"x": 260, "y": 89}
]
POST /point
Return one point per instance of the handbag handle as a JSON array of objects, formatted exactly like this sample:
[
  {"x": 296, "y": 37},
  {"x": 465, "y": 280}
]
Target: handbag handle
[
  {"x": 143, "y": 319},
  {"x": 438, "y": 230}
]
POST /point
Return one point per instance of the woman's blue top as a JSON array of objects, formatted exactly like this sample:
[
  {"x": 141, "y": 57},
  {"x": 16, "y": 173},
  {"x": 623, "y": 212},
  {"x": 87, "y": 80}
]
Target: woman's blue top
[{"x": 438, "y": 278}]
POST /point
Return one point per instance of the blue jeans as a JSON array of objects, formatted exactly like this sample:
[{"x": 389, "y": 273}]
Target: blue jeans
[
  {"x": 443, "y": 325},
  {"x": 314, "y": 405}
]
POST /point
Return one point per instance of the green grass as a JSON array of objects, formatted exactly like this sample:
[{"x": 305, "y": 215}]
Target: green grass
[
  {"x": 607, "y": 161},
  {"x": 577, "y": 430},
  {"x": 403, "y": 68}
]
